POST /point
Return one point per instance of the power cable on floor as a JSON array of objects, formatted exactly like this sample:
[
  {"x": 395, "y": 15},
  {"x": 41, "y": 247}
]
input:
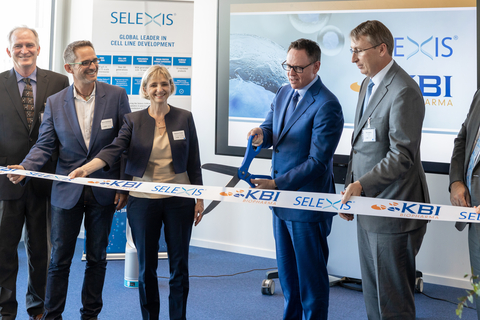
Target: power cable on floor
[
  {"x": 356, "y": 284},
  {"x": 347, "y": 283},
  {"x": 441, "y": 299},
  {"x": 223, "y": 275}
]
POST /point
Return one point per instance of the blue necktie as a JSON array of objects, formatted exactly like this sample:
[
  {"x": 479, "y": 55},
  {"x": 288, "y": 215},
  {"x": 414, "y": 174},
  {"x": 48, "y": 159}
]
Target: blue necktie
[
  {"x": 367, "y": 96},
  {"x": 291, "y": 107},
  {"x": 471, "y": 164}
]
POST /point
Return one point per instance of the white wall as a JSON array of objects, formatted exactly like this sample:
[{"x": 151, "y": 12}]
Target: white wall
[{"x": 245, "y": 228}]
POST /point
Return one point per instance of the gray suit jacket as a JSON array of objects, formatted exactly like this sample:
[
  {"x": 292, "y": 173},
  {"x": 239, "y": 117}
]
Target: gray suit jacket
[
  {"x": 463, "y": 148},
  {"x": 390, "y": 167},
  {"x": 15, "y": 137}
]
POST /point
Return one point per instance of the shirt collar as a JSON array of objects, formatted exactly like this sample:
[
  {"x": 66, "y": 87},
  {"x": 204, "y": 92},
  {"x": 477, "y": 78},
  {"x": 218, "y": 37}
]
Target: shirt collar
[
  {"x": 32, "y": 76},
  {"x": 381, "y": 74},
  {"x": 304, "y": 90}
]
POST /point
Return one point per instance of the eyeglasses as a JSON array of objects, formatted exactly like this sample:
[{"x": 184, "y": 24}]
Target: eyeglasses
[
  {"x": 357, "y": 51},
  {"x": 87, "y": 63},
  {"x": 297, "y": 69}
]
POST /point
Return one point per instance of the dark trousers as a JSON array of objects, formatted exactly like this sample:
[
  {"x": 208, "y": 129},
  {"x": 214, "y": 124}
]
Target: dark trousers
[
  {"x": 387, "y": 263},
  {"x": 146, "y": 217},
  {"x": 65, "y": 228},
  {"x": 32, "y": 210},
  {"x": 302, "y": 255}
]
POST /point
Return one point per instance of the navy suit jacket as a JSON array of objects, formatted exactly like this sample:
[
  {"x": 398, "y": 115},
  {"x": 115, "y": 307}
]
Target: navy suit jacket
[
  {"x": 136, "y": 138},
  {"x": 303, "y": 151},
  {"x": 60, "y": 128}
]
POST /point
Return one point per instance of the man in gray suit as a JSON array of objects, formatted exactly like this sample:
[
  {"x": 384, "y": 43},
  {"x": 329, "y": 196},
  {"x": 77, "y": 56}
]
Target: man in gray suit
[
  {"x": 465, "y": 181},
  {"x": 29, "y": 204},
  {"x": 385, "y": 163}
]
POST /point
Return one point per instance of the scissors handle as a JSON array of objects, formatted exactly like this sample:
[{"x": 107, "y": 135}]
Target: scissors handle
[
  {"x": 250, "y": 154},
  {"x": 255, "y": 176}
]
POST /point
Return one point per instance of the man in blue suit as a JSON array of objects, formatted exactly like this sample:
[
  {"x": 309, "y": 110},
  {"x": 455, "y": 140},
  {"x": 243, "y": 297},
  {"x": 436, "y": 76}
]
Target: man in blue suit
[
  {"x": 304, "y": 126},
  {"x": 79, "y": 120}
]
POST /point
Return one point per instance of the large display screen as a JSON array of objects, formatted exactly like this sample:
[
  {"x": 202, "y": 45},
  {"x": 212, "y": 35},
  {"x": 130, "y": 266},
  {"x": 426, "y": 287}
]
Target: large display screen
[{"x": 436, "y": 45}]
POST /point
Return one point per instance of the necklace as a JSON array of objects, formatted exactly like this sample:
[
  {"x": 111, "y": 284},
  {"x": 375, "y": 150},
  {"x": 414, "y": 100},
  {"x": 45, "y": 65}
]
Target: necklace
[
  {"x": 84, "y": 96},
  {"x": 160, "y": 123}
]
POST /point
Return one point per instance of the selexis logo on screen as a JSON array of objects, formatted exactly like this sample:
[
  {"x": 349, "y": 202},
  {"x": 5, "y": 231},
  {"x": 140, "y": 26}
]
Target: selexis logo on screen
[
  {"x": 142, "y": 18},
  {"x": 430, "y": 47}
]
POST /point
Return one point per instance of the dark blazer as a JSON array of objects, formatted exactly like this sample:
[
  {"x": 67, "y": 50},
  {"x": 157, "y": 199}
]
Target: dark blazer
[
  {"x": 390, "y": 167},
  {"x": 60, "y": 129},
  {"x": 15, "y": 137},
  {"x": 303, "y": 150},
  {"x": 463, "y": 148},
  {"x": 136, "y": 138}
]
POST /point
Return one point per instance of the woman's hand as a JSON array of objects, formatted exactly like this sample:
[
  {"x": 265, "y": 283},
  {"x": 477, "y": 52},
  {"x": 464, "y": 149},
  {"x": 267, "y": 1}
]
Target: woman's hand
[
  {"x": 87, "y": 168},
  {"x": 198, "y": 211},
  {"x": 78, "y": 173}
]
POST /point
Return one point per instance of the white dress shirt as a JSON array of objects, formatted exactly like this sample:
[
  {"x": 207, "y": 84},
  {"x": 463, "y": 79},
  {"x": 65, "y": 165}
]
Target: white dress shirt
[{"x": 85, "y": 110}]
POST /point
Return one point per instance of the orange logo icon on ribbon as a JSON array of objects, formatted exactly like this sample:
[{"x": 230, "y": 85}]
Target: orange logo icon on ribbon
[
  {"x": 383, "y": 207},
  {"x": 229, "y": 194}
]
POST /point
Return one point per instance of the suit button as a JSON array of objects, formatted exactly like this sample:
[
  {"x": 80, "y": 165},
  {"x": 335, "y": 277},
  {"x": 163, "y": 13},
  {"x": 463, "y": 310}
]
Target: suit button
[
  {"x": 276, "y": 151},
  {"x": 275, "y": 171},
  {"x": 355, "y": 151}
]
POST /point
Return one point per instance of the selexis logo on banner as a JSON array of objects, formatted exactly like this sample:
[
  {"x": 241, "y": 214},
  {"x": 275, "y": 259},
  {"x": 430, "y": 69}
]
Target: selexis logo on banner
[
  {"x": 142, "y": 18},
  {"x": 177, "y": 190},
  {"x": 322, "y": 203}
]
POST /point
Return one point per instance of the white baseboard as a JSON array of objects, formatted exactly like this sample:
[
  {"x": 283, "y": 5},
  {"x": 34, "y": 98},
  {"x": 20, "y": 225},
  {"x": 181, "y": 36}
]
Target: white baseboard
[
  {"x": 447, "y": 281},
  {"x": 233, "y": 248}
]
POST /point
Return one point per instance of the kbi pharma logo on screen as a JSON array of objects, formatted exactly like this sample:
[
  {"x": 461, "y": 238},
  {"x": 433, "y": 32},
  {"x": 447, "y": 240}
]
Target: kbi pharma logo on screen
[{"x": 142, "y": 18}]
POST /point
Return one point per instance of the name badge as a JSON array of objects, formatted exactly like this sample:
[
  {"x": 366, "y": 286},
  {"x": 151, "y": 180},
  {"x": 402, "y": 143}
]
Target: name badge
[
  {"x": 178, "y": 135},
  {"x": 369, "y": 133},
  {"x": 106, "y": 124}
]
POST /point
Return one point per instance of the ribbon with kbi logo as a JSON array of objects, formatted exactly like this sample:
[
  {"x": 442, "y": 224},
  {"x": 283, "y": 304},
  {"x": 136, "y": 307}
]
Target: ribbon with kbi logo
[{"x": 278, "y": 198}]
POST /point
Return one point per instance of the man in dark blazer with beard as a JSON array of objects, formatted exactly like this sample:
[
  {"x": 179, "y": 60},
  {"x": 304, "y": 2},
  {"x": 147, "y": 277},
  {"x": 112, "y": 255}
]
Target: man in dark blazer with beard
[{"x": 27, "y": 204}]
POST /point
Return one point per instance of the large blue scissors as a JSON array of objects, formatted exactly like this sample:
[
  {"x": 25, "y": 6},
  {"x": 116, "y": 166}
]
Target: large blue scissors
[{"x": 237, "y": 174}]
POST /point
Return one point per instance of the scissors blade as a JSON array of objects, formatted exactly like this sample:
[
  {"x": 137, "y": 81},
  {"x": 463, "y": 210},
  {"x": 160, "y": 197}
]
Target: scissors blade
[
  {"x": 220, "y": 168},
  {"x": 232, "y": 183}
]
